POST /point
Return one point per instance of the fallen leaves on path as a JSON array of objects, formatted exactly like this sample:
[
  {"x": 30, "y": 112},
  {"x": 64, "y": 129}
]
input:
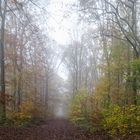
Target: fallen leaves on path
[{"x": 53, "y": 129}]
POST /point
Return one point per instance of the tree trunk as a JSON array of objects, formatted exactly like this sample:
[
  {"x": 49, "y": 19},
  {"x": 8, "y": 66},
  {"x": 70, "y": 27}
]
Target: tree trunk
[{"x": 2, "y": 67}]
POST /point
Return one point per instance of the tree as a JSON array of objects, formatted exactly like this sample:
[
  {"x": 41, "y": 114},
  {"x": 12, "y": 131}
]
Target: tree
[{"x": 3, "y": 8}]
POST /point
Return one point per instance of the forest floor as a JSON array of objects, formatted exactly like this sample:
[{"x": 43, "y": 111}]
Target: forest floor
[{"x": 52, "y": 129}]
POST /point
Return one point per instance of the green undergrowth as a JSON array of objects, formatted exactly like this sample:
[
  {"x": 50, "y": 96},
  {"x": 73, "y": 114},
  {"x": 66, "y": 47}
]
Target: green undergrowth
[{"x": 115, "y": 120}]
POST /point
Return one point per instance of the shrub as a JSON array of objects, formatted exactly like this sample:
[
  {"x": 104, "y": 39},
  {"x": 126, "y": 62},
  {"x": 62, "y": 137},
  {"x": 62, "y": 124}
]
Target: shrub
[
  {"x": 28, "y": 112},
  {"x": 114, "y": 119},
  {"x": 78, "y": 107},
  {"x": 20, "y": 119},
  {"x": 122, "y": 121},
  {"x": 83, "y": 112}
]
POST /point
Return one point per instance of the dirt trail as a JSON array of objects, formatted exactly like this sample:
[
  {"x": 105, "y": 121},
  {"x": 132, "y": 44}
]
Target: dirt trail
[{"x": 52, "y": 129}]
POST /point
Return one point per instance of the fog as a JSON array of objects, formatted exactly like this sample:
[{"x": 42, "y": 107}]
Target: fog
[{"x": 67, "y": 66}]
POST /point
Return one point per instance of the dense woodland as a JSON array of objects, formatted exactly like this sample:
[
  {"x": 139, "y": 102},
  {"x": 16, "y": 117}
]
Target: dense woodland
[
  {"x": 104, "y": 67},
  {"x": 102, "y": 60},
  {"x": 27, "y": 64}
]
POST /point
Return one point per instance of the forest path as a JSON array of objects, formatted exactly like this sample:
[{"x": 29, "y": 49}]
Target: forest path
[{"x": 52, "y": 129}]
